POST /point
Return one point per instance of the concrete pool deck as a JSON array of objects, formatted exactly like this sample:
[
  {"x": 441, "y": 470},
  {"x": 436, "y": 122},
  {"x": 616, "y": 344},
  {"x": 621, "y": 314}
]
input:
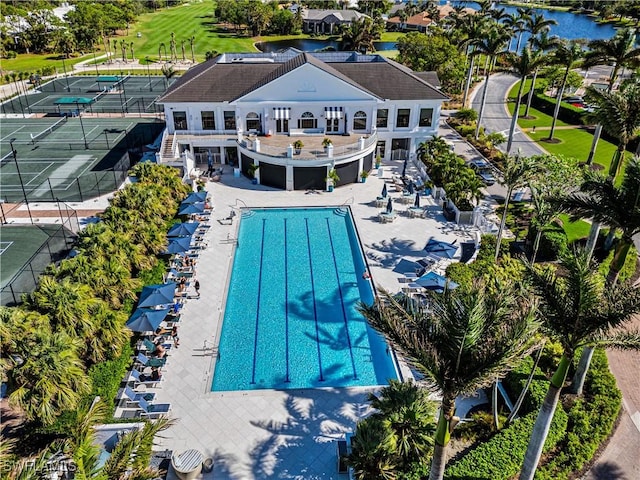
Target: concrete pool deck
[{"x": 276, "y": 433}]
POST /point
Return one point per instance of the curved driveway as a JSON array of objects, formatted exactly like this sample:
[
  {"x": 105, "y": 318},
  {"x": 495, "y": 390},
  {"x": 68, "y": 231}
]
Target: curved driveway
[{"x": 620, "y": 459}]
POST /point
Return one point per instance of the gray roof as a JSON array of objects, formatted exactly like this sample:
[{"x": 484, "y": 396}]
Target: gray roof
[
  {"x": 430, "y": 77},
  {"x": 342, "y": 15},
  {"x": 219, "y": 80}
]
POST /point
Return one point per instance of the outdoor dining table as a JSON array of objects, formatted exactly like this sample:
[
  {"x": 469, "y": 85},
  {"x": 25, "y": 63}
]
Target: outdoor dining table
[{"x": 187, "y": 464}]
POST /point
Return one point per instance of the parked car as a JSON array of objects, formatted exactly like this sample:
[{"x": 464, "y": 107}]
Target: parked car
[{"x": 484, "y": 171}]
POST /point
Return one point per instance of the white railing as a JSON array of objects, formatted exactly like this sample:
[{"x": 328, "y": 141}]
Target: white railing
[
  {"x": 203, "y": 133},
  {"x": 174, "y": 145}
]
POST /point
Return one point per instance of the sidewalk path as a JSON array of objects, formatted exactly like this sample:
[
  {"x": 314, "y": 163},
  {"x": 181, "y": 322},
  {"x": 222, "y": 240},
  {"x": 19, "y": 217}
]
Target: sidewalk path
[{"x": 620, "y": 459}]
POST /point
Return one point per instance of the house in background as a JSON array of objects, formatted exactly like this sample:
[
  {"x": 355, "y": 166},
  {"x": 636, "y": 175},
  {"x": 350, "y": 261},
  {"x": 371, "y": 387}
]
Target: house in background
[
  {"x": 421, "y": 21},
  {"x": 328, "y": 21},
  {"x": 257, "y": 108}
]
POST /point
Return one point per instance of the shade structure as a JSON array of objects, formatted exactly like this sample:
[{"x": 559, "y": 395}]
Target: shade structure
[
  {"x": 417, "y": 201},
  {"x": 407, "y": 266},
  {"x": 178, "y": 245},
  {"x": 146, "y": 319},
  {"x": 384, "y": 191},
  {"x": 159, "y": 294},
  {"x": 183, "y": 229},
  {"x": 436, "y": 282},
  {"x": 440, "y": 248},
  {"x": 389, "y": 206},
  {"x": 189, "y": 208},
  {"x": 194, "y": 197}
]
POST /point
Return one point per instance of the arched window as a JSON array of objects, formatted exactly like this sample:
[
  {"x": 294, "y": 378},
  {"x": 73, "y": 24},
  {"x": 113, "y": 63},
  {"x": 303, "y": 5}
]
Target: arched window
[
  {"x": 253, "y": 122},
  {"x": 359, "y": 121},
  {"x": 307, "y": 120}
]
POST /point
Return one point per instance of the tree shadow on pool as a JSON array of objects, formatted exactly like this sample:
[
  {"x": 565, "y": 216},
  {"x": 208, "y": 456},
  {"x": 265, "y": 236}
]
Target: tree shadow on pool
[{"x": 303, "y": 446}]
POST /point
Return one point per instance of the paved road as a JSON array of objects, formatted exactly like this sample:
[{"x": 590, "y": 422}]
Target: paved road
[
  {"x": 496, "y": 118},
  {"x": 621, "y": 458}
]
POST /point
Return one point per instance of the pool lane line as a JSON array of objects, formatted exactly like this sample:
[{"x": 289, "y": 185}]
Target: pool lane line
[
  {"x": 255, "y": 338},
  {"x": 344, "y": 312},
  {"x": 286, "y": 304},
  {"x": 313, "y": 292}
]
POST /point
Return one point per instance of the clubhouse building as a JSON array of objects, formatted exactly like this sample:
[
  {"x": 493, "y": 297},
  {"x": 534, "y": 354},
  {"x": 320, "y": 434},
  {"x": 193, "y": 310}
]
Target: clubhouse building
[{"x": 297, "y": 115}]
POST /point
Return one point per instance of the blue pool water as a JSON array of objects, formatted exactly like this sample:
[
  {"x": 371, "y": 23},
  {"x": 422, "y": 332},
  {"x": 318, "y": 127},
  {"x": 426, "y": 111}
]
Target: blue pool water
[{"x": 291, "y": 319}]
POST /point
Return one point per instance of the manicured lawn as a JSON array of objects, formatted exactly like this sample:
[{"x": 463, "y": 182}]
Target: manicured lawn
[
  {"x": 575, "y": 230},
  {"x": 31, "y": 62},
  {"x": 541, "y": 119}
]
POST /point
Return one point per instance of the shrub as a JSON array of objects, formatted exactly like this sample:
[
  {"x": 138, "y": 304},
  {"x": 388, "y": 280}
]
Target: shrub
[
  {"x": 501, "y": 457},
  {"x": 465, "y": 130},
  {"x": 627, "y": 271},
  {"x": 107, "y": 376}
]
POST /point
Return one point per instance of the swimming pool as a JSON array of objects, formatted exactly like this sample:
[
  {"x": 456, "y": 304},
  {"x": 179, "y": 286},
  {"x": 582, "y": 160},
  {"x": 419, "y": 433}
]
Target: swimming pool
[{"x": 290, "y": 319}]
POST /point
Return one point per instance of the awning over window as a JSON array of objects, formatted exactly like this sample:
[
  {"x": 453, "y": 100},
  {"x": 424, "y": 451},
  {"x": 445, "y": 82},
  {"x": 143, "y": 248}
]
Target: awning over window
[
  {"x": 281, "y": 113},
  {"x": 332, "y": 112}
]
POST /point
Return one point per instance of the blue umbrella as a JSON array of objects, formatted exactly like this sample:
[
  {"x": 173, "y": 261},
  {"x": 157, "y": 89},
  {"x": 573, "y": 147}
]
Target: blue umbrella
[
  {"x": 159, "y": 294},
  {"x": 146, "y": 319},
  {"x": 195, "y": 197},
  {"x": 433, "y": 281},
  {"x": 178, "y": 245},
  {"x": 441, "y": 249},
  {"x": 389, "y": 206},
  {"x": 417, "y": 202},
  {"x": 407, "y": 266},
  {"x": 384, "y": 191},
  {"x": 183, "y": 229},
  {"x": 189, "y": 208}
]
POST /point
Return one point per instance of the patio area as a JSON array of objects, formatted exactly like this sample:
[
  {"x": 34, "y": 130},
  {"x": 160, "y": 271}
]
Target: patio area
[{"x": 268, "y": 433}]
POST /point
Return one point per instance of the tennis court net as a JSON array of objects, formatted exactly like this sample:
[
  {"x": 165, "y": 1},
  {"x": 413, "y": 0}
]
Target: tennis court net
[{"x": 48, "y": 131}]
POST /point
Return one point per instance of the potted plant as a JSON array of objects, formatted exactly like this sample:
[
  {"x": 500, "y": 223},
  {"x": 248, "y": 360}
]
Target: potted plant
[
  {"x": 252, "y": 169},
  {"x": 378, "y": 160},
  {"x": 332, "y": 178},
  {"x": 326, "y": 142},
  {"x": 298, "y": 146},
  {"x": 363, "y": 175}
]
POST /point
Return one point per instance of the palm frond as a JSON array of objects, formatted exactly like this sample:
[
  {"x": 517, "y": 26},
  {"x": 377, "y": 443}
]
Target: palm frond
[{"x": 629, "y": 340}]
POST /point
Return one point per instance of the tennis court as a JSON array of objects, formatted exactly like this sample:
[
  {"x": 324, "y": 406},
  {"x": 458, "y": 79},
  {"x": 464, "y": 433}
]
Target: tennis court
[
  {"x": 104, "y": 94},
  {"x": 69, "y": 158}
]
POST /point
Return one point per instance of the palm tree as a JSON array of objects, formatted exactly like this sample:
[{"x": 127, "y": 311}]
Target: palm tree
[
  {"x": 620, "y": 52},
  {"x": 567, "y": 54},
  {"x": 492, "y": 45},
  {"x": 544, "y": 43},
  {"x": 577, "y": 311},
  {"x": 184, "y": 53},
  {"x": 49, "y": 378},
  {"x": 515, "y": 174},
  {"x": 192, "y": 42},
  {"x": 462, "y": 342},
  {"x": 359, "y": 36},
  {"x": 515, "y": 24},
  {"x": 371, "y": 448},
  {"x": 473, "y": 27},
  {"x": 172, "y": 48},
  {"x": 132, "y": 52},
  {"x": 168, "y": 73},
  {"x": 619, "y": 114},
  {"x": 522, "y": 65},
  {"x": 525, "y": 16}
]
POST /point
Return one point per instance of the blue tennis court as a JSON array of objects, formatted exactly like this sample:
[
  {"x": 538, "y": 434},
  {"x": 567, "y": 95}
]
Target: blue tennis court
[{"x": 291, "y": 319}]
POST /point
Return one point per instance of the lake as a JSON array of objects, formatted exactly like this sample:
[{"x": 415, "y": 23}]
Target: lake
[{"x": 570, "y": 26}]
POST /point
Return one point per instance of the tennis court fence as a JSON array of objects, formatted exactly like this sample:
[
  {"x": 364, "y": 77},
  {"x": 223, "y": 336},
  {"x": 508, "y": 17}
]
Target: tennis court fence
[
  {"x": 61, "y": 239},
  {"x": 48, "y": 131}
]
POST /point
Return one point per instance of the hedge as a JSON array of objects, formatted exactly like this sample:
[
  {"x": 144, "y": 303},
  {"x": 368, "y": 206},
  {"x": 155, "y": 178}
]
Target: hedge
[
  {"x": 591, "y": 422},
  {"x": 502, "y": 456},
  {"x": 567, "y": 113}
]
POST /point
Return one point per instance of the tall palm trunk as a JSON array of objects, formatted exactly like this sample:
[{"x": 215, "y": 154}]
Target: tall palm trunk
[
  {"x": 536, "y": 244},
  {"x": 503, "y": 221},
  {"x": 556, "y": 111},
  {"x": 514, "y": 117},
  {"x": 544, "y": 419},
  {"x": 577, "y": 383},
  {"x": 494, "y": 404},
  {"x": 482, "y": 104},
  {"x": 594, "y": 144},
  {"x": 618, "y": 160},
  {"x": 467, "y": 84},
  {"x": 446, "y": 423},
  {"x": 531, "y": 93}
]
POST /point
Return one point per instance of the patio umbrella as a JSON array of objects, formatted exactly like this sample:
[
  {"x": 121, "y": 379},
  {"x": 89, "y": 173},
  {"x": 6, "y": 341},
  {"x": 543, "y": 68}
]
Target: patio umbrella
[
  {"x": 195, "y": 197},
  {"x": 178, "y": 245},
  {"x": 189, "y": 208},
  {"x": 159, "y": 294},
  {"x": 183, "y": 229},
  {"x": 404, "y": 168},
  {"x": 384, "y": 191},
  {"x": 440, "y": 248},
  {"x": 407, "y": 266},
  {"x": 433, "y": 281},
  {"x": 146, "y": 319},
  {"x": 389, "y": 206},
  {"x": 417, "y": 202}
]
